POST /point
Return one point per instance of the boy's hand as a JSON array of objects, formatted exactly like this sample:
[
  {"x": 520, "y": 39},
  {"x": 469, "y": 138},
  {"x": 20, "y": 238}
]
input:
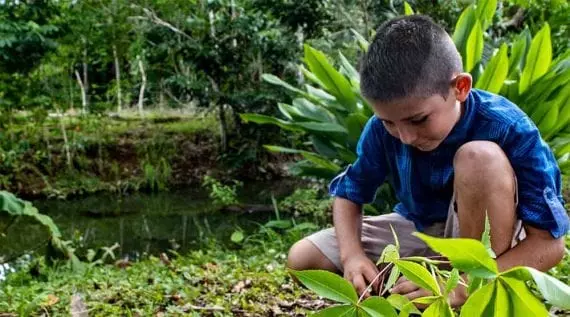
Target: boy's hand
[
  {"x": 361, "y": 271},
  {"x": 405, "y": 287}
]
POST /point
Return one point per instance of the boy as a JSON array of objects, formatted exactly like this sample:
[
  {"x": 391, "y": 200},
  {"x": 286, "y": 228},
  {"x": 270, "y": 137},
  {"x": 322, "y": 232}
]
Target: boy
[{"x": 452, "y": 154}]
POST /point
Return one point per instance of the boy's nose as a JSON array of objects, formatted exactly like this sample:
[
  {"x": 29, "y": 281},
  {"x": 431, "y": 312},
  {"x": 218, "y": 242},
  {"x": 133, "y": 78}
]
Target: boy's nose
[{"x": 407, "y": 136}]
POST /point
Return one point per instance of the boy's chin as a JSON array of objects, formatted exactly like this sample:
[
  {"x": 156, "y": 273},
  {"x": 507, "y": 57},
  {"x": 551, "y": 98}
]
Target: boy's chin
[{"x": 427, "y": 147}]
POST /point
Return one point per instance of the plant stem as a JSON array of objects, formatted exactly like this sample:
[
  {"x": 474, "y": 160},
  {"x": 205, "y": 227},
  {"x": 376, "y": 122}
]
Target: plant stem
[{"x": 373, "y": 281}]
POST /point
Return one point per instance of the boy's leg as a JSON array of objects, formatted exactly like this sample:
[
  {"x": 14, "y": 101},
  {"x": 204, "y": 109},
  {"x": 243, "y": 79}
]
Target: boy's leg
[
  {"x": 320, "y": 250},
  {"x": 485, "y": 183}
]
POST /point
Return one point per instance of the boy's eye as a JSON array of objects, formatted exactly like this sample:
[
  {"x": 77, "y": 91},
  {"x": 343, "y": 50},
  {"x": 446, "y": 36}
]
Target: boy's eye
[
  {"x": 387, "y": 123},
  {"x": 420, "y": 120}
]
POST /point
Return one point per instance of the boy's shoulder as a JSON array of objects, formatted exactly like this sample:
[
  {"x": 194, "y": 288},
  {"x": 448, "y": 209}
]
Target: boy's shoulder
[{"x": 495, "y": 108}]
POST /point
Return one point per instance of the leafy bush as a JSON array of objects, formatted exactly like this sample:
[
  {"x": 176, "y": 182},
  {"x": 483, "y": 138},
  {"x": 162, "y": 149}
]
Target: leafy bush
[
  {"x": 492, "y": 293},
  {"x": 333, "y": 115},
  {"x": 223, "y": 195},
  {"x": 306, "y": 202}
]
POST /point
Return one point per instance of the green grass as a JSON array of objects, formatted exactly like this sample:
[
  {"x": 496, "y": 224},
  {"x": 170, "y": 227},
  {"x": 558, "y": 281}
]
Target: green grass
[
  {"x": 196, "y": 125},
  {"x": 219, "y": 281}
]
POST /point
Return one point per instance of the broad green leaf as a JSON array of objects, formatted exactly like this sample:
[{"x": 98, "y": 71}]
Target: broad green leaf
[
  {"x": 312, "y": 157},
  {"x": 324, "y": 147},
  {"x": 328, "y": 285},
  {"x": 263, "y": 119},
  {"x": 439, "y": 308},
  {"x": 376, "y": 306},
  {"x": 495, "y": 72},
  {"x": 401, "y": 302},
  {"x": 312, "y": 77},
  {"x": 474, "y": 47},
  {"x": 474, "y": 284},
  {"x": 311, "y": 111},
  {"x": 389, "y": 254},
  {"x": 486, "y": 237},
  {"x": 322, "y": 127},
  {"x": 554, "y": 291},
  {"x": 392, "y": 278},
  {"x": 279, "y": 224},
  {"x": 463, "y": 28},
  {"x": 332, "y": 80},
  {"x": 485, "y": 11},
  {"x": 501, "y": 305},
  {"x": 408, "y": 9},
  {"x": 270, "y": 78},
  {"x": 477, "y": 302},
  {"x": 538, "y": 59},
  {"x": 519, "y": 51},
  {"x": 548, "y": 122},
  {"x": 355, "y": 123},
  {"x": 419, "y": 275},
  {"x": 237, "y": 236},
  {"x": 362, "y": 42},
  {"x": 337, "y": 311},
  {"x": 563, "y": 101},
  {"x": 324, "y": 96},
  {"x": 524, "y": 303},
  {"x": 349, "y": 69},
  {"x": 466, "y": 255},
  {"x": 286, "y": 110},
  {"x": 452, "y": 281}
]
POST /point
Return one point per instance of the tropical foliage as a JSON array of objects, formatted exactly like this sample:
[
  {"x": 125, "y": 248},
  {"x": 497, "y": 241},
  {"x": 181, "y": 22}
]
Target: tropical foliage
[
  {"x": 333, "y": 113},
  {"x": 491, "y": 293}
]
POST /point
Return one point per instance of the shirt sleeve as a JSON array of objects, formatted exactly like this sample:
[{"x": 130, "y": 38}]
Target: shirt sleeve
[
  {"x": 360, "y": 180},
  {"x": 538, "y": 176}
]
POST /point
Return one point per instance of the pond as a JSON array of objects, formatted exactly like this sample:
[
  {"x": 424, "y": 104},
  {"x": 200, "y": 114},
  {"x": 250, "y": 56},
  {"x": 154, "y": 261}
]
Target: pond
[{"x": 141, "y": 224}]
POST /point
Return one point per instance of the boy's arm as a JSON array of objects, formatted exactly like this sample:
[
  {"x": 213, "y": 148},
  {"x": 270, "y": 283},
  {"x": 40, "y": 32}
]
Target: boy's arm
[
  {"x": 538, "y": 250},
  {"x": 357, "y": 267}
]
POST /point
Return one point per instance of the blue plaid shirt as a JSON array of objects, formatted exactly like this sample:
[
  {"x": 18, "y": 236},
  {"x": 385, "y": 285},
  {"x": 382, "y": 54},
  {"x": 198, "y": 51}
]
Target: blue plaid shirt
[{"x": 423, "y": 181}]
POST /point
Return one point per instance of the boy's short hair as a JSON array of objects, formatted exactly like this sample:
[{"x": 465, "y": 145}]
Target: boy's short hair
[{"x": 409, "y": 56}]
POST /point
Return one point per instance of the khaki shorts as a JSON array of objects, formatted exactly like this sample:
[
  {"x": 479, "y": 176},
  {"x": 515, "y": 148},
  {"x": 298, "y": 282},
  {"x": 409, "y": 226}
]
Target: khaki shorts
[{"x": 376, "y": 234}]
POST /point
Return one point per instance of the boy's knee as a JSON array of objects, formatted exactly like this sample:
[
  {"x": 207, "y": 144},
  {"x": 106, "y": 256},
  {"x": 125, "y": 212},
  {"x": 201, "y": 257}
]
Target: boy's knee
[
  {"x": 482, "y": 161},
  {"x": 304, "y": 255}
]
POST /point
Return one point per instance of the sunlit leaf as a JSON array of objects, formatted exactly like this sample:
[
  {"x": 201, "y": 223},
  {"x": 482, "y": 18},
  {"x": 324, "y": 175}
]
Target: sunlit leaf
[
  {"x": 524, "y": 303},
  {"x": 474, "y": 47},
  {"x": 392, "y": 278},
  {"x": 477, "y": 302},
  {"x": 376, "y": 306},
  {"x": 408, "y": 9},
  {"x": 389, "y": 254},
  {"x": 554, "y": 291},
  {"x": 463, "y": 28},
  {"x": 337, "y": 311},
  {"x": 467, "y": 255},
  {"x": 538, "y": 59},
  {"x": 418, "y": 275},
  {"x": 439, "y": 308},
  {"x": 263, "y": 119},
  {"x": 402, "y": 303},
  {"x": 519, "y": 51},
  {"x": 501, "y": 305},
  {"x": 328, "y": 285},
  {"x": 486, "y": 237},
  {"x": 485, "y": 11},
  {"x": 495, "y": 72},
  {"x": 452, "y": 281},
  {"x": 333, "y": 81}
]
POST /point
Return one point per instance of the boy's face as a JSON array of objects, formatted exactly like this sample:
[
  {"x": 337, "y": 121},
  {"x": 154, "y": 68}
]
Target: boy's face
[{"x": 424, "y": 122}]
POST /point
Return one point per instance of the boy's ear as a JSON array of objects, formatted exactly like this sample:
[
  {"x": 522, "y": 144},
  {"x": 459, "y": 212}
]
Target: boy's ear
[{"x": 462, "y": 86}]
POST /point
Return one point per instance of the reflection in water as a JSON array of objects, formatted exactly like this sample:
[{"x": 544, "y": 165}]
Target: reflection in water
[{"x": 140, "y": 223}]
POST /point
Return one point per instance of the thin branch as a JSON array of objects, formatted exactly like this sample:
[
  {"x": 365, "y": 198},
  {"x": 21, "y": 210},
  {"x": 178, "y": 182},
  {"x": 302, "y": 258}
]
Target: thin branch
[
  {"x": 373, "y": 281},
  {"x": 151, "y": 16}
]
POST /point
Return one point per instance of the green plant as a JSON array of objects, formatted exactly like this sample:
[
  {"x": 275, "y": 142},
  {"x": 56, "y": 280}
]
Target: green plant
[
  {"x": 333, "y": 115},
  {"x": 15, "y": 207},
  {"x": 491, "y": 293},
  {"x": 156, "y": 176},
  {"x": 223, "y": 195}
]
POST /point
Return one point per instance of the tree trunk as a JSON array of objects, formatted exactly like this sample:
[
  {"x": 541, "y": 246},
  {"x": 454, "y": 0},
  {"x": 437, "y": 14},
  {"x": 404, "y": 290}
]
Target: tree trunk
[
  {"x": 85, "y": 80},
  {"x": 64, "y": 133},
  {"x": 83, "y": 92},
  {"x": 118, "y": 79},
  {"x": 223, "y": 127},
  {"x": 143, "y": 85}
]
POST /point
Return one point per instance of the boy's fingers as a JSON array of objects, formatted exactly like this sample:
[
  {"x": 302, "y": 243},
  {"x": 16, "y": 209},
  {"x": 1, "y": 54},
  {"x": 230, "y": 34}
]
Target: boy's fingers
[
  {"x": 359, "y": 285},
  {"x": 404, "y": 287},
  {"x": 370, "y": 273}
]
